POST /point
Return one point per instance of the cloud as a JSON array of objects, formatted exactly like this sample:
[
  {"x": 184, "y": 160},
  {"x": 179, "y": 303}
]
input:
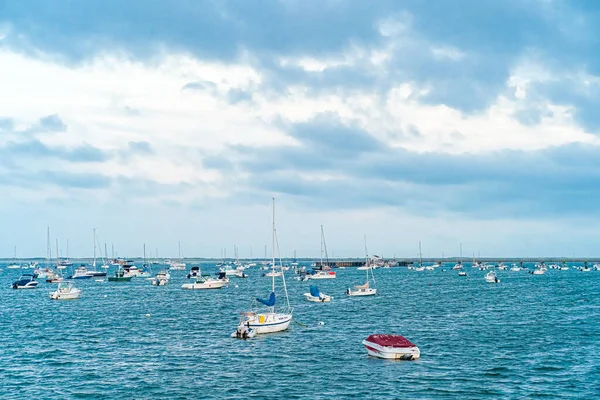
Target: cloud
[
  {"x": 52, "y": 123},
  {"x": 140, "y": 148},
  {"x": 35, "y": 148}
]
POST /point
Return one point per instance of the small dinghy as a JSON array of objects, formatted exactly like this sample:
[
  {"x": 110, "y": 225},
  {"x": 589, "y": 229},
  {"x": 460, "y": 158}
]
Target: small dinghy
[
  {"x": 243, "y": 332},
  {"x": 392, "y": 347},
  {"x": 462, "y": 273},
  {"x": 65, "y": 291},
  {"x": 316, "y": 296}
]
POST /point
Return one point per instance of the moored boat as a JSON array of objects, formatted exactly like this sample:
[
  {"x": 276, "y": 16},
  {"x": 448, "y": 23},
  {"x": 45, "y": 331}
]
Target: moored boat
[
  {"x": 65, "y": 291},
  {"x": 26, "y": 281},
  {"x": 392, "y": 347},
  {"x": 206, "y": 282},
  {"x": 316, "y": 296}
]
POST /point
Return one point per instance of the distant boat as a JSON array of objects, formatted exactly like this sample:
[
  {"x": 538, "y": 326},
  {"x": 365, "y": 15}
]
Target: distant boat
[
  {"x": 15, "y": 264},
  {"x": 491, "y": 277},
  {"x": 206, "y": 282},
  {"x": 119, "y": 276},
  {"x": 161, "y": 279},
  {"x": 462, "y": 273},
  {"x": 81, "y": 273},
  {"x": 394, "y": 347},
  {"x": 365, "y": 289}
]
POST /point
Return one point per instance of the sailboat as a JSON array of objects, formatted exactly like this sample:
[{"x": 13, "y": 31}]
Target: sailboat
[
  {"x": 177, "y": 265},
  {"x": 15, "y": 264},
  {"x": 324, "y": 270},
  {"x": 268, "y": 320},
  {"x": 47, "y": 270},
  {"x": 146, "y": 271},
  {"x": 95, "y": 272},
  {"x": 366, "y": 289},
  {"x": 56, "y": 277},
  {"x": 105, "y": 259}
]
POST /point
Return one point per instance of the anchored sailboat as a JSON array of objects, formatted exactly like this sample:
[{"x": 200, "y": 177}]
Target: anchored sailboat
[
  {"x": 366, "y": 289},
  {"x": 268, "y": 321}
]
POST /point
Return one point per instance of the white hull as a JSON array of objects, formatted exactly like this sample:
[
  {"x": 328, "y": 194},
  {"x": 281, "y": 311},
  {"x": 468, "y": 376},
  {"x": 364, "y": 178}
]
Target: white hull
[
  {"x": 203, "y": 285},
  {"x": 392, "y": 353},
  {"x": 322, "y": 299},
  {"x": 323, "y": 276},
  {"x": 72, "y": 295},
  {"x": 361, "y": 292},
  {"x": 28, "y": 286},
  {"x": 539, "y": 272},
  {"x": 273, "y": 322}
]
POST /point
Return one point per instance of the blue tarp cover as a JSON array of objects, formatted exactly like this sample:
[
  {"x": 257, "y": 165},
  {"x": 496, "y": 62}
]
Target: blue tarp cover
[
  {"x": 314, "y": 291},
  {"x": 268, "y": 303}
]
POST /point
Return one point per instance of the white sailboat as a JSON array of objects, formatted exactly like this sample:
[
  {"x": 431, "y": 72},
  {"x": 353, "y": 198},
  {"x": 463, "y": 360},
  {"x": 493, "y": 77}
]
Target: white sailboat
[
  {"x": 177, "y": 265},
  {"x": 324, "y": 271},
  {"x": 268, "y": 320},
  {"x": 15, "y": 264},
  {"x": 366, "y": 289}
]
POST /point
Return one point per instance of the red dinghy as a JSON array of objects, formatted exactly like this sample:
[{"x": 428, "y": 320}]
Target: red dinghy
[{"x": 394, "y": 347}]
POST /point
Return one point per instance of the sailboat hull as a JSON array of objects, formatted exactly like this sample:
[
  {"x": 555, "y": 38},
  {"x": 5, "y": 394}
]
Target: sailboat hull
[
  {"x": 361, "y": 292},
  {"x": 272, "y": 323}
]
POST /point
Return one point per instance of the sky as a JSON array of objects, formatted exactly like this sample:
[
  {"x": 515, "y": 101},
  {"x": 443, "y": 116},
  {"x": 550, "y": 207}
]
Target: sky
[{"x": 403, "y": 121}]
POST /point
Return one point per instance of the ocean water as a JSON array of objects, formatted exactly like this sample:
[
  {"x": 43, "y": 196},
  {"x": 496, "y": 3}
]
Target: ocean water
[{"x": 528, "y": 336}]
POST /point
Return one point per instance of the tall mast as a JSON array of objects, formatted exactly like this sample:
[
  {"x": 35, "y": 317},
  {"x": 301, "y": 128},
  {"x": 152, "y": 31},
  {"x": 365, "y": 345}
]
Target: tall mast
[
  {"x": 321, "y": 246},
  {"x": 48, "y": 251},
  {"x": 420, "y": 255},
  {"x": 273, "y": 248},
  {"x": 367, "y": 258},
  {"x": 94, "y": 264},
  {"x": 112, "y": 250},
  {"x": 105, "y": 252}
]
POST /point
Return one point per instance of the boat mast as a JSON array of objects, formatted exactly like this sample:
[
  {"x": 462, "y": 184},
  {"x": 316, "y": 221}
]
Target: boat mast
[
  {"x": 48, "y": 247},
  {"x": 94, "y": 264},
  {"x": 321, "y": 247},
  {"x": 57, "y": 261},
  {"x": 324, "y": 246},
  {"x": 367, "y": 259},
  {"x": 273, "y": 250},
  {"x": 420, "y": 255}
]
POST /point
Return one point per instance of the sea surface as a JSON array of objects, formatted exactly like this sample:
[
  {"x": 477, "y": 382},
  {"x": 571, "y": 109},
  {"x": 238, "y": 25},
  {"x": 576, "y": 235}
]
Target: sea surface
[{"x": 530, "y": 336}]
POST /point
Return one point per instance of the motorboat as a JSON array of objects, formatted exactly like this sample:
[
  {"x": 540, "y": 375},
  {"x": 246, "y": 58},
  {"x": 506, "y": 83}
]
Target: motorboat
[
  {"x": 457, "y": 266},
  {"x": 161, "y": 279},
  {"x": 273, "y": 273},
  {"x": 13, "y": 266},
  {"x": 392, "y": 347},
  {"x": 206, "y": 282},
  {"x": 120, "y": 276},
  {"x": 244, "y": 332},
  {"x": 43, "y": 273},
  {"x": 316, "y": 296},
  {"x": 65, "y": 291},
  {"x": 462, "y": 273},
  {"x": 538, "y": 271},
  {"x": 491, "y": 277},
  {"x": 322, "y": 275},
  {"x": 420, "y": 268},
  {"x": 81, "y": 273},
  {"x": 194, "y": 272},
  {"x": 26, "y": 281},
  {"x": 515, "y": 268}
]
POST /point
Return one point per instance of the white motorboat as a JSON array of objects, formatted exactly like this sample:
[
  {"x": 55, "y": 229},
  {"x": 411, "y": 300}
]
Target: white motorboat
[
  {"x": 81, "y": 273},
  {"x": 462, "y": 273},
  {"x": 322, "y": 274},
  {"x": 491, "y": 277},
  {"x": 586, "y": 269},
  {"x": 457, "y": 266},
  {"x": 539, "y": 271},
  {"x": 515, "y": 268},
  {"x": 13, "y": 266},
  {"x": 268, "y": 320},
  {"x": 161, "y": 279},
  {"x": 206, "y": 282},
  {"x": 393, "y": 347},
  {"x": 420, "y": 268},
  {"x": 65, "y": 291},
  {"x": 316, "y": 296}
]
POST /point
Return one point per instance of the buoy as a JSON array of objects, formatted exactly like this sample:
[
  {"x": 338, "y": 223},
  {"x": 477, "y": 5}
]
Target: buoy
[
  {"x": 321, "y": 323},
  {"x": 147, "y": 315},
  {"x": 105, "y": 296},
  {"x": 236, "y": 286}
]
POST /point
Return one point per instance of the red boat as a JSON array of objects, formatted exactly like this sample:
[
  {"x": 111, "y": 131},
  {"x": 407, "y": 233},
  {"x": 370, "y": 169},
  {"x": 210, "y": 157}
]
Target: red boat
[{"x": 393, "y": 347}]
